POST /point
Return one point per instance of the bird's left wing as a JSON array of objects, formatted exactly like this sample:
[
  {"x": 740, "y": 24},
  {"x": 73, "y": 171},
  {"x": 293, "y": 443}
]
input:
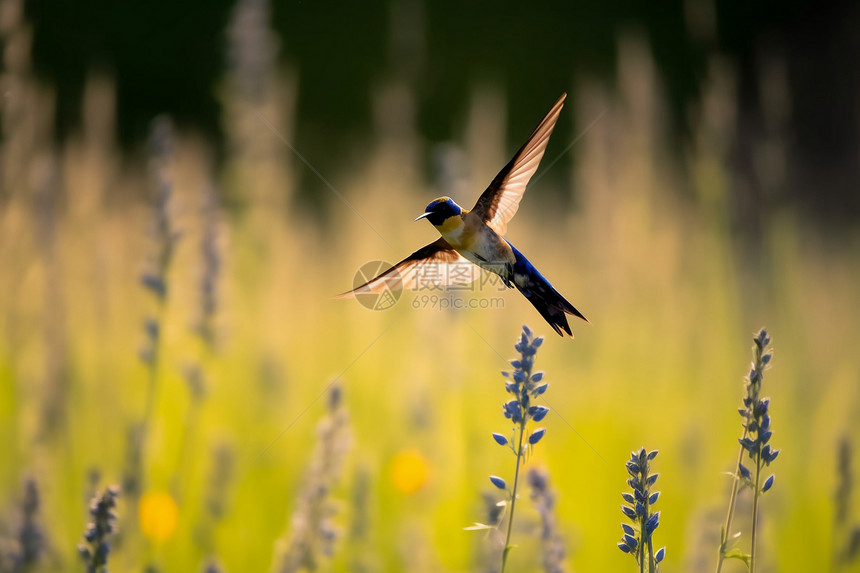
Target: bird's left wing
[
  {"x": 436, "y": 265},
  {"x": 499, "y": 203}
]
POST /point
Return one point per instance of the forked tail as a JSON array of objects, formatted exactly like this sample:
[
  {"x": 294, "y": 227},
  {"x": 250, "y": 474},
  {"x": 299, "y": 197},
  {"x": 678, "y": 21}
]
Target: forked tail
[{"x": 548, "y": 301}]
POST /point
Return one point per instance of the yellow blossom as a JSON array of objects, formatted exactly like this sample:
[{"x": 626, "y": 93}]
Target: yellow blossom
[
  {"x": 409, "y": 471},
  {"x": 158, "y": 516}
]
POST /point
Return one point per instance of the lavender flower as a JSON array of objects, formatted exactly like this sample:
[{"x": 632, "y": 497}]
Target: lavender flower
[
  {"x": 637, "y": 539},
  {"x": 30, "y": 535},
  {"x": 210, "y": 255},
  {"x": 313, "y": 534},
  {"x": 846, "y": 532},
  {"x": 154, "y": 281},
  {"x": 94, "y": 552},
  {"x": 755, "y": 442},
  {"x": 543, "y": 499},
  {"x": 524, "y": 385},
  {"x": 23, "y": 551}
]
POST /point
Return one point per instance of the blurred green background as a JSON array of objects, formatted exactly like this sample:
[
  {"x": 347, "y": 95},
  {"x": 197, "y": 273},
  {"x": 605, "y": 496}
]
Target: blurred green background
[{"x": 245, "y": 159}]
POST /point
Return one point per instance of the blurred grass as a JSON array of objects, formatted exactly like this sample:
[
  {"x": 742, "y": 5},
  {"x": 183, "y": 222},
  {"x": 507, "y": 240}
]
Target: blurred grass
[{"x": 650, "y": 249}]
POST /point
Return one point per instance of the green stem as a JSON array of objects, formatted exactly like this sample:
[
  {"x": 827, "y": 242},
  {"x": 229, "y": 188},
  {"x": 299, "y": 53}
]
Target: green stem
[
  {"x": 652, "y": 564},
  {"x": 185, "y": 441},
  {"x": 514, "y": 496},
  {"x": 152, "y": 386},
  {"x": 756, "y": 496},
  {"x": 149, "y": 406},
  {"x": 728, "y": 525}
]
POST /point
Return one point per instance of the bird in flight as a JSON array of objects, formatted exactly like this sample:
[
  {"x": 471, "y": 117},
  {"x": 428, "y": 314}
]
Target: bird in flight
[{"x": 477, "y": 236}]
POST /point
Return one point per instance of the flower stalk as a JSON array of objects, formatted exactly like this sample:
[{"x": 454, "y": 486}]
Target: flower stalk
[
  {"x": 525, "y": 385},
  {"x": 755, "y": 443},
  {"x": 637, "y": 539}
]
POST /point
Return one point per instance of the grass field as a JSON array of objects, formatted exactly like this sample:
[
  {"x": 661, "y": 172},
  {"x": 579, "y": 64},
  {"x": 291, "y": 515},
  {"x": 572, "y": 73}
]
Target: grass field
[{"x": 658, "y": 246}]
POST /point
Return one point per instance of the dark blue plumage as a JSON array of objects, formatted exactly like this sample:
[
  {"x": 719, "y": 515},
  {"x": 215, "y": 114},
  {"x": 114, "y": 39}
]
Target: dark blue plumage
[
  {"x": 441, "y": 209},
  {"x": 549, "y": 302}
]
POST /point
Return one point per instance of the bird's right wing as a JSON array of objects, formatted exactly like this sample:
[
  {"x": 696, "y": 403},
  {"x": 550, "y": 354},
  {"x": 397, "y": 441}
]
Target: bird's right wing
[
  {"x": 499, "y": 202},
  {"x": 436, "y": 265}
]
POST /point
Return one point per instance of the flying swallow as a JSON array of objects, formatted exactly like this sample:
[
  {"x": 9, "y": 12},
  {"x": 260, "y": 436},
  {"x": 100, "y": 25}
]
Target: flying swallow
[{"x": 477, "y": 236}]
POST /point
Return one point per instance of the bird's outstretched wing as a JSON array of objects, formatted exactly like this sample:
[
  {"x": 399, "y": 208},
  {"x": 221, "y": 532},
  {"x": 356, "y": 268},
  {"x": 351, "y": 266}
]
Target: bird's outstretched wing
[
  {"x": 436, "y": 265},
  {"x": 498, "y": 204}
]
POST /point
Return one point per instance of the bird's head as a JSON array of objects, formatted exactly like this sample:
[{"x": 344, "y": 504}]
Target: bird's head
[{"x": 440, "y": 210}]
